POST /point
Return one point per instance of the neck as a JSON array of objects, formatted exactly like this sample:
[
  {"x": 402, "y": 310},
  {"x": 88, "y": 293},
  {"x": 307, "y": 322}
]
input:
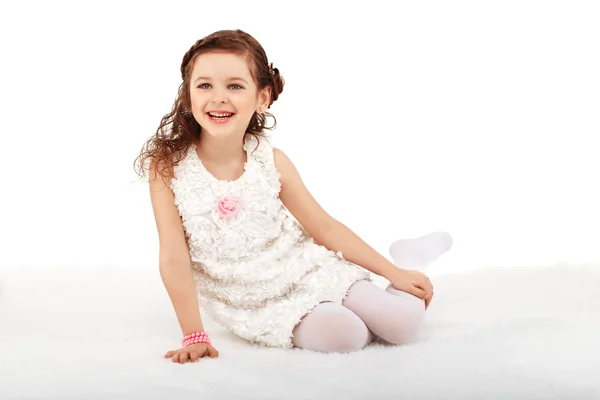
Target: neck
[{"x": 225, "y": 150}]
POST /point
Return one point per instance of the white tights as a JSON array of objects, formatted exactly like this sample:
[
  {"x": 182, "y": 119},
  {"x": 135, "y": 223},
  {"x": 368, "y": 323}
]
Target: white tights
[{"x": 368, "y": 310}]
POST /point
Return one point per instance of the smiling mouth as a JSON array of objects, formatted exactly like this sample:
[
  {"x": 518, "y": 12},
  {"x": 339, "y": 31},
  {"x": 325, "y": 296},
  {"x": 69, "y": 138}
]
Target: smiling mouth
[{"x": 220, "y": 116}]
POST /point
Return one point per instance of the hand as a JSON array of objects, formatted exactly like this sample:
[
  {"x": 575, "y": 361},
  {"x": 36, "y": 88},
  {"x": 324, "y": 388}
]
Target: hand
[
  {"x": 192, "y": 352},
  {"x": 413, "y": 282}
]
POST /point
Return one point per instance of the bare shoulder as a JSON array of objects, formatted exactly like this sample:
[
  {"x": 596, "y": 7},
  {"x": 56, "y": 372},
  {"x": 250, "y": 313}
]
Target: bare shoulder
[
  {"x": 297, "y": 198},
  {"x": 286, "y": 168},
  {"x": 173, "y": 247},
  {"x": 282, "y": 161}
]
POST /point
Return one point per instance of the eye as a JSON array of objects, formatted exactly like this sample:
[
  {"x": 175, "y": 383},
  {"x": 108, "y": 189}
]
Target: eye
[
  {"x": 200, "y": 86},
  {"x": 235, "y": 84}
]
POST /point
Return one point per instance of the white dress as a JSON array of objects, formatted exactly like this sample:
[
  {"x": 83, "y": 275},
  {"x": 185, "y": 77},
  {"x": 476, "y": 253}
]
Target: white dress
[{"x": 257, "y": 271}]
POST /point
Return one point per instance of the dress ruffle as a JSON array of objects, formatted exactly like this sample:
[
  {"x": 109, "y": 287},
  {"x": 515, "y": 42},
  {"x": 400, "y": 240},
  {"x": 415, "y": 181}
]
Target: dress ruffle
[{"x": 259, "y": 272}]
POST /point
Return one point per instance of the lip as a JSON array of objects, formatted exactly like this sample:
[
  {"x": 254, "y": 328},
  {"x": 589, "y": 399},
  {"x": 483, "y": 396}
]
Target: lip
[
  {"x": 219, "y": 112},
  {"x": 220, "y": 121}
]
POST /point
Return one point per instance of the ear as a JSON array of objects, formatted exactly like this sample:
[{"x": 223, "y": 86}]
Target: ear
[{"x": 264, "y": 97}]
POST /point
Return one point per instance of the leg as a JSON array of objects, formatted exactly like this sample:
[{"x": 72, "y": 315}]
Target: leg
[
  {"x": 394, "y": 315},
  {"x": 391, "y": 314},
  {"x": 331, "y": 327}
]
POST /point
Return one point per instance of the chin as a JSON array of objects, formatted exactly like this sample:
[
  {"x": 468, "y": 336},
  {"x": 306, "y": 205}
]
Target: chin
[
  {"x": 221, "y": 130},
  {"x": 219, "y": 133}
]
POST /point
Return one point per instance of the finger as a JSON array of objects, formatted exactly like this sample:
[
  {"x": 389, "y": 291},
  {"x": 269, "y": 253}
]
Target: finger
[
  {"x": 180, "y": 358},
  {"x": 426, "y": 287},
  {"x": 169, "y": 354},
  {"x": 430, "y": 287},
  {"x": 427, "y": 292},
  {"x": 416, "y": 291},
  {"x": 212, "y": 352},
  {"x": 422, "y": 284},
  {"x": 194, "y": 356},
  {"x": 429, "y": 297},
  {"x": 183, "y": 357}
]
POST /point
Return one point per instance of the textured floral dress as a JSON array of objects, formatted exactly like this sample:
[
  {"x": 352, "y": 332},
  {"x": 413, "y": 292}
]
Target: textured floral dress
[{"x": 257, "y": 271}]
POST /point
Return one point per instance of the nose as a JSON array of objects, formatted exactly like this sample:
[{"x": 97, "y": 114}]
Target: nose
[{"x": 220, "y": 96}]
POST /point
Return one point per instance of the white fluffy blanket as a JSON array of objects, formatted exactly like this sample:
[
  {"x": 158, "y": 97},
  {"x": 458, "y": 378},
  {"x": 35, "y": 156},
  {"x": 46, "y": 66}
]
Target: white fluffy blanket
[{"x": 529, "y": 333}]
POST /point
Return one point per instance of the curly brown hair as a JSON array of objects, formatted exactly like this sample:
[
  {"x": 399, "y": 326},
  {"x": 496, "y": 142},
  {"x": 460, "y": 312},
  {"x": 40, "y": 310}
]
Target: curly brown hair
[{"x": 178, "y": 129}]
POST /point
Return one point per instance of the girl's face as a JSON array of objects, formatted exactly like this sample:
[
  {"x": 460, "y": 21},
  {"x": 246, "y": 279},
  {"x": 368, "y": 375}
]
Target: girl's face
[{"x": 223, "y": 94}]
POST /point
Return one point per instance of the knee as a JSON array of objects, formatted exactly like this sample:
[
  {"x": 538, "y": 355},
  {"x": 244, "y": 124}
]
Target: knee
[
  {"x": 405, "y": 321},
  {"x": 348, "y": 334},
  {"x": 332, "y": 329}
]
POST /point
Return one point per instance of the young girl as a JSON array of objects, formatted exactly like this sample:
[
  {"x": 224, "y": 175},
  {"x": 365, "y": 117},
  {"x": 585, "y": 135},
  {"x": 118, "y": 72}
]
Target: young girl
[{"x": 241, "y": 236}]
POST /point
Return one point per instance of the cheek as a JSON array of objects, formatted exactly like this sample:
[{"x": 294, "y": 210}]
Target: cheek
[
  {"x": 197, "y": 106},
  {"x": 196, "y": 101},
  {"x": 248, "y": 105},
  {"x": 197, "y": 109}
]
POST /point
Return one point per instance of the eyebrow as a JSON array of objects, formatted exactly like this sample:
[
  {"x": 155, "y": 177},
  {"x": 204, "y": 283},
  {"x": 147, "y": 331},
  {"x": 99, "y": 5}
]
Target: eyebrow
[{"x": 234, "y": 78}]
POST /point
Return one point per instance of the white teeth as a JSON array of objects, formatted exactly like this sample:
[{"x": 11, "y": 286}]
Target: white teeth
[{"x": 219, "y": 115}]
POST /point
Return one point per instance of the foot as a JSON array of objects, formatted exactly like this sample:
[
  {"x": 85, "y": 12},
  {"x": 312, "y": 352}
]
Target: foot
[{"x": 418, "y": 253}]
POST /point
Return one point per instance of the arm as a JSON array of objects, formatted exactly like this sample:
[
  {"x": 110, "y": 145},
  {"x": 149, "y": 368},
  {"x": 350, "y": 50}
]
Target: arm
[
  {"x": 321, "y": 226},
  {"x": 174, "y": 258}
]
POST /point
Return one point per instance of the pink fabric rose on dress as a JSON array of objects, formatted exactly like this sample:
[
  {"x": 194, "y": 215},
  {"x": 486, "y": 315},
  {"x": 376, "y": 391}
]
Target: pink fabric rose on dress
[{"x": 228, "y": 207}]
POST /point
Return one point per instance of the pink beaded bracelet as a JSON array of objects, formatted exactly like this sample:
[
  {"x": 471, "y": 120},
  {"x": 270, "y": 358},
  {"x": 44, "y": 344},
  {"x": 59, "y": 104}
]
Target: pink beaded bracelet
[{"x": 195, "y": 337}]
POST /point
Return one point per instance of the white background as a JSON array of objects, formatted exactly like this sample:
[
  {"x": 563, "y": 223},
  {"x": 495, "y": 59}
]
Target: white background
[{"x": 478, "y": 118}]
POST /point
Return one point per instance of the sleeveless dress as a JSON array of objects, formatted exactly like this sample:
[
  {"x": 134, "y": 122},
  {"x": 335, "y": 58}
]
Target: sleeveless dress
[{"x": 256, "y": 270}]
